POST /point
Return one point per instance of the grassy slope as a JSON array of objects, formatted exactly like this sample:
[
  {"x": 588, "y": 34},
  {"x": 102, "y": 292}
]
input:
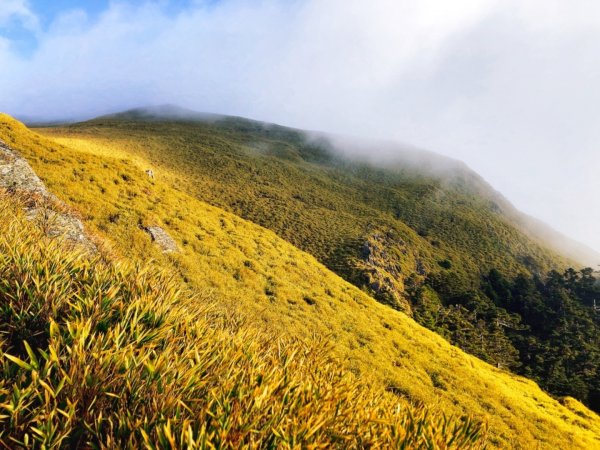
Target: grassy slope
[
  {"x": 327, "y": 207},
  {"x": 289, "y": 291},
  {"x": 96, "y": 353}
]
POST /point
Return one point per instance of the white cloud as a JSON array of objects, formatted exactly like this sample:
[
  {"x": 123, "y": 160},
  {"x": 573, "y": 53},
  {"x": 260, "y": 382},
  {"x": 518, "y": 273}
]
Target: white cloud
[
  {"x": 510, "y": 87},
  {"x": 17, "y": 10}
]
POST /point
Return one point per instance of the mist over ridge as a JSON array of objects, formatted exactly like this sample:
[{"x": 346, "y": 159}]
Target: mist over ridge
[
  {"x": 386, "y": 155},
  {"x": 506, "y": 86}
]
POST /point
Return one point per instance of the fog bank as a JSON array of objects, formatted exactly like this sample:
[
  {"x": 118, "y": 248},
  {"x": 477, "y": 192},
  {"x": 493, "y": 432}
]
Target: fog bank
[{"x": 510, "y": 87}]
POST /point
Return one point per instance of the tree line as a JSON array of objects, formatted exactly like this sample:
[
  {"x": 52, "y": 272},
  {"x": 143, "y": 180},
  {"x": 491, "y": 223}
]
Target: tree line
[{"x": 545, "y": 328}]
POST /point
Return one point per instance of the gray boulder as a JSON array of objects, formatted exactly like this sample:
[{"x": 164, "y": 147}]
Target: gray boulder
[
  {"x": 43, "y": 208},
  {"x": 162, "y": 239},
  {"x": 17, "y": 175}
]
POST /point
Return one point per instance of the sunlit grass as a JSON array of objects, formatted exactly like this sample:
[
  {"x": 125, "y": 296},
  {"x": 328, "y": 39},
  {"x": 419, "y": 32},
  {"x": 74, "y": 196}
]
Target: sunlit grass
[
  {"x": 96, "y": 354},
  {"x": 284, "y": 292}
]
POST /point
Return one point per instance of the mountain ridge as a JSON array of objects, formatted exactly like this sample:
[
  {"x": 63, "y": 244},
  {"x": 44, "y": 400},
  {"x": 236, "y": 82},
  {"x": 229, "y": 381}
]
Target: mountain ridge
[{"x": 389, "y": 153}]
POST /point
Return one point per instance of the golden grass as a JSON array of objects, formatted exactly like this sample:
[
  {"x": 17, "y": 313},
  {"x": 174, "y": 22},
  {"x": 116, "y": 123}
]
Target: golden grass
[
  {"x": 97, "y": 354},
  {"x": 278, "y": 288}
]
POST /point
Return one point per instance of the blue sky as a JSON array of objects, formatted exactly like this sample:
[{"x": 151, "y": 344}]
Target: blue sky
[
  {"x": 511, "y": 87},
  {"x": 47, "y": 10},
  {"x": 24, "y": 35}
]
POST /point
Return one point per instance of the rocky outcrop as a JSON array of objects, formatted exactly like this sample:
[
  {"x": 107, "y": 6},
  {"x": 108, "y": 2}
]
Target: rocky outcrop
[
  {"x": 43, "y": 208},
  {"x": 386, "y": 263},
  {"x": 162, "y": 239},
  {"x": 59, "y": 225},
  {"x": 16, "y": 174}
]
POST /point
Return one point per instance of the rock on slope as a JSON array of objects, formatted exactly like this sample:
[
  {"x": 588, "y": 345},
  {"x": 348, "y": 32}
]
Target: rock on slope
[
  {"x": 17, "y": 177},
  {"x": 161, "y": 238}
]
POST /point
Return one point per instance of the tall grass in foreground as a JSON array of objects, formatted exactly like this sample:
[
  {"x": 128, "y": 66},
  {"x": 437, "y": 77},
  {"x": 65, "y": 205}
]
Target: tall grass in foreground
[{"x": 100, "y": 354}]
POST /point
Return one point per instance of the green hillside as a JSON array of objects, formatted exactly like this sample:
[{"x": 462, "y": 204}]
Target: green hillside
[
  {"x": 417, "y": 231},
  {"x": 271, "y": 286},
  {"x": 330, "y": 206}
]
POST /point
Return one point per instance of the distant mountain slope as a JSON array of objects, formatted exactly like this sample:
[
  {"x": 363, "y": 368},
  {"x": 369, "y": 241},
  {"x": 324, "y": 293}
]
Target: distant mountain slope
[
  {"x": 386, "y": 155},
  {"x": 306, "y": 190},
  {"x": 162, "y": 113},
  {"x": 280, "y": 288},
  {"x": 562, "y": 244}
]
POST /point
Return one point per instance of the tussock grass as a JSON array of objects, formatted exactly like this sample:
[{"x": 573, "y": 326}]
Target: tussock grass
[{"x": 98, "y": 354}]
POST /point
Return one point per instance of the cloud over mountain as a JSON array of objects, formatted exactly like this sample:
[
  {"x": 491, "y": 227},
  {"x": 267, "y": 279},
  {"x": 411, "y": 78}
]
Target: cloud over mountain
[{"x": 509, "y": 87}]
